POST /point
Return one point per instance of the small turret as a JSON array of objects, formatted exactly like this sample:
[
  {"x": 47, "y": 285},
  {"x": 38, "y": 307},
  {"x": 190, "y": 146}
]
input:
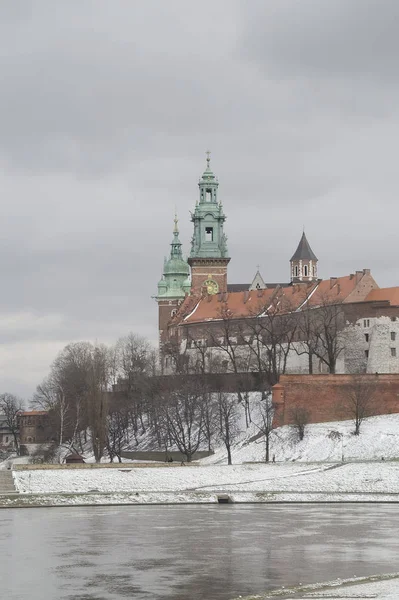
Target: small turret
[
  {"x": 303, "y": 262},
  {"x": 175, "y": 270},
  {"x": 173, "y": 286}
]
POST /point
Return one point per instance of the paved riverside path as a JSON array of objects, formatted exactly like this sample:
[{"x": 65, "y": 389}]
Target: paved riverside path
[{"x": 6, "y": 482}]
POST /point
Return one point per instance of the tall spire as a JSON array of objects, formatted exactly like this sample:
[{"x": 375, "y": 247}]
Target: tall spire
[
  {"x": 176, "y": 230},
  {"x": 176, "y": 243},
  {"x": 208, "y": 159},
  {"x": 304, "y": 251},
  {"x": 303, "y": 262}
]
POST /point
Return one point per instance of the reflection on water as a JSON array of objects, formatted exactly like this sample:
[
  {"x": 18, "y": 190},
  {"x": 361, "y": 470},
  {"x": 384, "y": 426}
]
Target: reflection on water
[{"x": 195, "y": 552}]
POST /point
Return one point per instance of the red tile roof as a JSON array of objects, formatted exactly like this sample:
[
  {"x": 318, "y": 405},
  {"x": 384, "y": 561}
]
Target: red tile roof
[
  {"x": 285, "y": 298},
  {"x": 390, "y": 295}
]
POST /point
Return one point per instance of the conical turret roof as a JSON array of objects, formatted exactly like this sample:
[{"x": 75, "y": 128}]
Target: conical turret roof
[{"x": 304, "y": 251}]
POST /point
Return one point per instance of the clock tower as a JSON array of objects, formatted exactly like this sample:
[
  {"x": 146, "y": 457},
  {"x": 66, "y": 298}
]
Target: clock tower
[{"x": 209, "y": 256}]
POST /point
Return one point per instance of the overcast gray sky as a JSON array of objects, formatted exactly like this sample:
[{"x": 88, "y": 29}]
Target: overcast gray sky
[{"x": 106, "y": 110}]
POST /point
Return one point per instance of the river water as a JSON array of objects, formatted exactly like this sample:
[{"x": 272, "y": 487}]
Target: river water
[{"x": 212, "y": 552}]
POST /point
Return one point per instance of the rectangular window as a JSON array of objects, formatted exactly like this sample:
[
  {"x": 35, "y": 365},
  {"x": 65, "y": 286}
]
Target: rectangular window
[
  {"x": 208, "y": 195},
  {"x": 393, "y": 336},
  {"x": 393, "y": 351},
  {"x": 366, "y": 353},
  {"x": 366, "y": 337},
  {"x": 209, "y": 234},
  {"x": 393, "y": 318},
  {"x": 364, "y": 323}
]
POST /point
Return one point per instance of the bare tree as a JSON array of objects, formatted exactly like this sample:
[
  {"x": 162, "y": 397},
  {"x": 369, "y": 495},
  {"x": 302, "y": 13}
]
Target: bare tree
[
  {"x": 265, "y": 422},
  {"x": 272, "y": 328},
  {"x": 97, "y": 399},
  {"x": 228, "y": 420},
  {"x": 209, "y": 418},
  {"x": 11, "y": 406},
  {"x": 359, "y": 400},
  {"x": 307, "y": 336},
  {"x": 51, "y": 397},
  {"x": 328, "y": 324},
  {"x": 227, "y": 338},
  {"x": 184, "y": 416},
  {"x": 136, "y": 363},
  {"x": 300, "y": 418},
  {"x": 116, "y": 437}
]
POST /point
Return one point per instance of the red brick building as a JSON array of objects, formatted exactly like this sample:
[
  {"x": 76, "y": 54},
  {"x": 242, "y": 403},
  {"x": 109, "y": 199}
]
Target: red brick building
[{"x": 34, "y": 427}]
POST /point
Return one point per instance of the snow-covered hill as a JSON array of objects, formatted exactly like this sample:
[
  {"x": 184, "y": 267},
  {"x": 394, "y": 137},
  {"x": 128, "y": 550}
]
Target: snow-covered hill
[{"x": 335, "y": 441}]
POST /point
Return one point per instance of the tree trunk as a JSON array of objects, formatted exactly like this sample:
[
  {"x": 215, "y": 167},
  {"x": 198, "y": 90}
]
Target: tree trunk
[
  {"x": 17, "y": 448},
  {"x": 310, "y": 356}
]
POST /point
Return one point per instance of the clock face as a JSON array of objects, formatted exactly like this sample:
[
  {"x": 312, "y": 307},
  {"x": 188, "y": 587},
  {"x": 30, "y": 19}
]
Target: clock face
[{"x": 211, "y": 286}]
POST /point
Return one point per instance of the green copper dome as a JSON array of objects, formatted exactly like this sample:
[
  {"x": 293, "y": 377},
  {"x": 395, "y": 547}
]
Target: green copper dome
[
  {"x": 176, "y": 271},
  {"x": 176, "y": 266}
]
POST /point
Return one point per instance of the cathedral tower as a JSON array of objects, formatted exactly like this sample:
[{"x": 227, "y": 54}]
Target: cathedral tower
[
  {"x": 174, "y": 285},
  {"x": 303, "y": 262},
  {"x": 209, "y": 257}
]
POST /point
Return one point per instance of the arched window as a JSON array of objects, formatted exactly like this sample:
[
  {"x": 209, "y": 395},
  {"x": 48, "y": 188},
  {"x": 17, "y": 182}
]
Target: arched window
[
  {"x": 296, "y": 271},
  {"x": 305, "y": 270},
  {"x": 314, "y": 270}
]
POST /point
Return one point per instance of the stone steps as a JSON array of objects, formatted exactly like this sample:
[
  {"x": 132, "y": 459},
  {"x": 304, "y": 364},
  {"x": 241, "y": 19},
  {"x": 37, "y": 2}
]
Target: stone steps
[{"x": 6, "y": 482}]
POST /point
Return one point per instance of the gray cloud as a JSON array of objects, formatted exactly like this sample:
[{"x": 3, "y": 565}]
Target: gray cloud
[{"x": 355, "y": 38}]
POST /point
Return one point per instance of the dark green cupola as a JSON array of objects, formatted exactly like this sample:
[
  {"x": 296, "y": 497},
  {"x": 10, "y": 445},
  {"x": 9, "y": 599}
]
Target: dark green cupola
[{"x": 175, "y": 282}]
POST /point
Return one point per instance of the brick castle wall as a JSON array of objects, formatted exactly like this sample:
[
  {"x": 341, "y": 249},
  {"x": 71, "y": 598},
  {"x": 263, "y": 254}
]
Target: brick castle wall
[{"x": 328, "y": 397}]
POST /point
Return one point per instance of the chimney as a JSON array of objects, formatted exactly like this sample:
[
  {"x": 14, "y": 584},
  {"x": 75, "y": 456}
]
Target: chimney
[
  {"x": 333, "y": 281},
  {"x": 359, "y": 275},
  {"x": 351, "y": 276},
  {"x": 246, "y": 296},
  {"x": 366, "y": 271}
]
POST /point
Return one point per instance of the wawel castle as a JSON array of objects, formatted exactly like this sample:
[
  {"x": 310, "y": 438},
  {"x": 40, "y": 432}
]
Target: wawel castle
[{"x": 342, "y": 324}]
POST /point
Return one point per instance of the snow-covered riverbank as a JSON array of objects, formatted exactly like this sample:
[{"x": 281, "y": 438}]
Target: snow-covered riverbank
[
  {"x": 284, "y": 482},
  {"x": 381, "y": 587}
]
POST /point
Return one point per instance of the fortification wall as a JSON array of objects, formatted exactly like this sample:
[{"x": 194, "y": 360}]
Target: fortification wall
[{"x": 331, "y": 397}]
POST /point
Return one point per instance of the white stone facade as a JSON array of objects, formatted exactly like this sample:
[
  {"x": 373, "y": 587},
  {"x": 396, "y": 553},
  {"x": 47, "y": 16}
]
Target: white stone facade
[
  {"x": 383, "y": 344},
  {"x": 370, "y": 345}
]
